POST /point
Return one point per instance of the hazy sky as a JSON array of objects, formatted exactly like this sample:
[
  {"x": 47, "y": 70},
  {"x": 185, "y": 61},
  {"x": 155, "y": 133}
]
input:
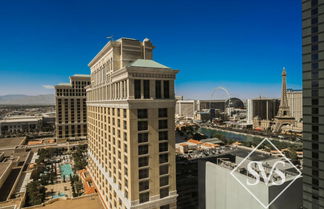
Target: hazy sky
[{"x": 240, "y": 45}]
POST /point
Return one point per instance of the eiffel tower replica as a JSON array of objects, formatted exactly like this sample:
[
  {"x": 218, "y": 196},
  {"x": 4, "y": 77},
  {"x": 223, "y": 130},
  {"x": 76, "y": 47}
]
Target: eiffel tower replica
[{"x": 284, "y": 115}]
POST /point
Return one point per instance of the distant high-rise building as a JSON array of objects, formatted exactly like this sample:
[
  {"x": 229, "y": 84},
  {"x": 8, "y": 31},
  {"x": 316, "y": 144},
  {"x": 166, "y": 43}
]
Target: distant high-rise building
[
  {"x": 313, "y": 100},
  {"x": 261, "y": 109},
  {"x": 131, "y": 127},
  {"x": 295, "y": 103},
  {"x": 71, "y": 108}
]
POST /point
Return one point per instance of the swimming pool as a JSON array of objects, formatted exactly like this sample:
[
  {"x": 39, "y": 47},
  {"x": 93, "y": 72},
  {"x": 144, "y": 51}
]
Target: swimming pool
[
  {"x": 58, "y": 195},
  {"x": 66, "y": 170}
]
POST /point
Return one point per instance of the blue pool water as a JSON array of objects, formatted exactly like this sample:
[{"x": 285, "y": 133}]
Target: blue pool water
[
  {"x": 58, "y": 195},
  {"x": 66, "y": 170}
]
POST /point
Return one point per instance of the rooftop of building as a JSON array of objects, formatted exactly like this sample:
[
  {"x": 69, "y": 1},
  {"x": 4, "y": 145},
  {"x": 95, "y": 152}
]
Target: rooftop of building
[
  {"x": 20, "y": 120},
  {"x": 264, "y": 98},
  {"x": 6, "y": 143},
  {"x": 258, "y": 155},
  {"x": 205, "y": 153},
  {"x": 84, "y": 202},
  {"x": 75, "y": 76},
  {"x": 108, "y": 45},
  {"x": 147, "y": 63},
  {"x": 3, "y": 167},
  {"x": 64, "y": 84},
  {"x": 81, "y": 75},
  {"x": 289, "y": 171},
  {"x": 211, "y": 100},
  {"x": 234, "y": 150},
  {"x": 212, "y": 140}
]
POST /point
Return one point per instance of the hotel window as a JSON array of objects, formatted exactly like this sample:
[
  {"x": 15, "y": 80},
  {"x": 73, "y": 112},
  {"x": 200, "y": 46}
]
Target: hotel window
[
  {"x": 146, "y": 89},
  {"x": 143, "y": 185},
  {"x": 164, "y": 158},
  {"x": 315, "y": 146},
  {"x": 143, "y": 161},
  {"x": 142, "y": 113},
  {"x": 163, "y": 147},
  {"x": 315, "y": 111},
  {"x": 315, "y": 182},
  {"x": 163, "y": 135},
  {"x": 315, "y": 120},
  {"x": 144, "y": 197},
  {"x": 163, "y": 112},
  {"x": 142, "y": 125},
  {"x": 314, "y": 57},
  {"x": 143, "y": 149},
  {"x": 137, "y": 86},
  {"x": 164, "y": 169},
  {"x": 314, "y": 39},
  {"x": 125, "y": 136},
  {"x": 315, "y": 155},
  {"x": 143, "y": 173},
  {"x": 163, "y": 124},
  {"x": 314, "y": 20},
  {"x": 164, "y": 181},
  {"x": 166, "y": 89},
  {"x": 142, "y": 137},
  {"x": 158, "y": 89},
  {"x": 165, "y": 207},
  {"x": 164, "y": 192},
  {"x": 126, "y": 182},
  {"x": 315, "y": 128}
]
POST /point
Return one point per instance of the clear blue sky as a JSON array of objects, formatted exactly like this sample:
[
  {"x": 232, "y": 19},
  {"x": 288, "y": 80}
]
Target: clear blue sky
[{"x": 241, "y": 45}]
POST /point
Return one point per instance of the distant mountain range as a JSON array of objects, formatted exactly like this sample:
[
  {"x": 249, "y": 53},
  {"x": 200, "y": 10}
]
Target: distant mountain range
[{"x": 47, "y": 99}]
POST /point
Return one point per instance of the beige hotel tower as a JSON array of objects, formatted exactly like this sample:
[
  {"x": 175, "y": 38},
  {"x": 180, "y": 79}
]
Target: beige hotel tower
[
  {"x": 71, "y": 109},
  {"x": 131, "y": 107}
]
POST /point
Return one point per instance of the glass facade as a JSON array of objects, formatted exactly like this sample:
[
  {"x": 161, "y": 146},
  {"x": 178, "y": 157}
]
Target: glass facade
[{"x": 313, "y": 97}]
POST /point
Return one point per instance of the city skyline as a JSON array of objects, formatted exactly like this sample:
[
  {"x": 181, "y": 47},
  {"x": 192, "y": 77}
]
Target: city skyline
[{"x": 48, "y": 50}]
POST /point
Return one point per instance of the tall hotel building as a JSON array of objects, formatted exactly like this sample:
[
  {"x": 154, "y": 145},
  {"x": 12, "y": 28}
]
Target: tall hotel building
[
  {"x": 71, "y": 109},
  {"x": 131, "y": 130},
  {"x": 313, "y": 103}
]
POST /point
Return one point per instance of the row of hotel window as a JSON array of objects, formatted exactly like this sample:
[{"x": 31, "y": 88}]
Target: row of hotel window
[
  {"x": 80, "y": 84},
  {"x": 72, "y": 131},
  {"x": 144, "y": 86},
  {"x": 70, "y": 92},
  {"x": 105, "y": 110}
]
